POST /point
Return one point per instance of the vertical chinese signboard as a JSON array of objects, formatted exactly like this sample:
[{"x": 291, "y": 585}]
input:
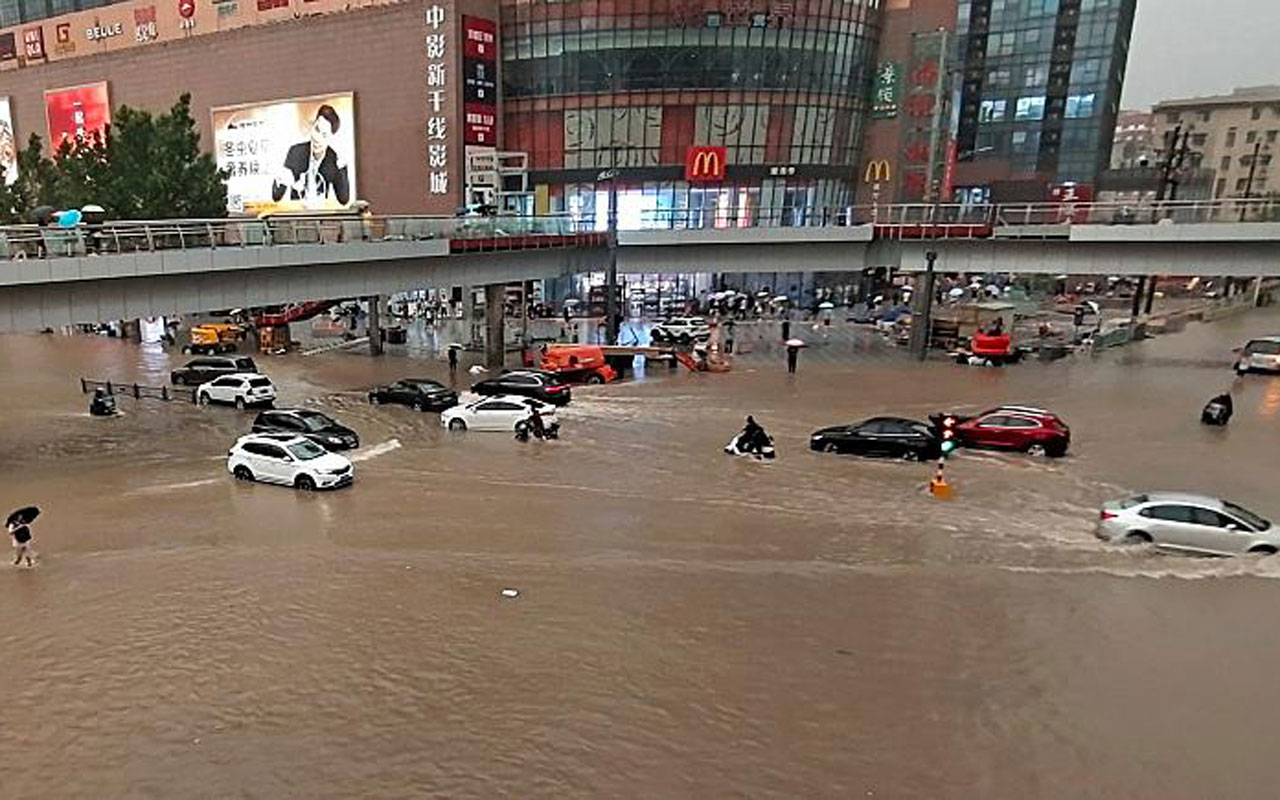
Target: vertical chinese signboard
[
  {"x": 480, "y": 80},
  {"x": 884, "y": 100},
  {"x": 924, "y": 141},
  {"x": 437, "y": 42}
]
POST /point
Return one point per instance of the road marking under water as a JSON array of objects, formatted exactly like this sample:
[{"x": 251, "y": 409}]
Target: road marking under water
[
  {"x": 171, "y": 487},
  {"x": 375, "y": 451}
]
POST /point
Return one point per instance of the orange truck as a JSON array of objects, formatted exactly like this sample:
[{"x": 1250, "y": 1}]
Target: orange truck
[{"x": 580, "y": 363}]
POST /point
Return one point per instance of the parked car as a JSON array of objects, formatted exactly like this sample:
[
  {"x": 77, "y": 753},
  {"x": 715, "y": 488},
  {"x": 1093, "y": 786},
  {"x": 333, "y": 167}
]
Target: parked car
[
  {"x": 499, "y": 413},
  {"x": 539, "y": 385},
  {"x": 680, "y": 330},
  {"x": 420, "y": 394},
  {"x": 319, "y": 428},
  {"x": 289, "y": 460},
  {"x": 1030, "y": 430},
  {"x": 1189, "y": 522},
  {"x": 241, "y": 390},
  {"x": 206, "y": 368},
  {"x": 892, "y": 437},
  {"x": 1260, "y": 355}
]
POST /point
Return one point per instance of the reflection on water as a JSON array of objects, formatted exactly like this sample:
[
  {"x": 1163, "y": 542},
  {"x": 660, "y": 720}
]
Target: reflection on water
[{"x": 689, "y": 625}]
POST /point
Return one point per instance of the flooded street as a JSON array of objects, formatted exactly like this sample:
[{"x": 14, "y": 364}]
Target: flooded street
[{"x": 689, "y": 625}]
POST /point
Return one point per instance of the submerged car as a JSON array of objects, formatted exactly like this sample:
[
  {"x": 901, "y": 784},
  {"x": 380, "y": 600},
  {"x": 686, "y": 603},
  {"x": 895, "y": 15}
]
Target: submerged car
[
  {"x": 892, "y": 437},
  {"x": 289, "y": 460},
  {"x": 319, "y": 428},
  {"x": 527, "y": 383},
  {"x": 420, "y": 394},
  {"x": 1029, "y": 430},
  {"x": 500, "y": 413},
  {"x": 1189, "y": 522}
]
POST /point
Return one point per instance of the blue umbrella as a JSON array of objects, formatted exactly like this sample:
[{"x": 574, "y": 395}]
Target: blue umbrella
[{"x": 69, "y": 219}]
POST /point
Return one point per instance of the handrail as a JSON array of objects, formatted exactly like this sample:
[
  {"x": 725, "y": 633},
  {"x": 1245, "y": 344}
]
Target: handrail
[{"x": 493, "y": 233}]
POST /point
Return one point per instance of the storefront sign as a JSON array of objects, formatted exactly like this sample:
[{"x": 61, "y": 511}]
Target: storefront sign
[
  {"x": 480, "y": 85},
  {"x": 144, "y": 23},
  {"x": 705, "y": 164},
  {"x": 62, "y": 43},
  {"x": 98, "y": 32},
  {"x": 878, "y": 171},
  {"x": 8, "y": 46},
  {"x": 288, "y": 155},
  {"x": 1070, "y": 198},
  {"x": 888, "y": 88},
  {"x": 33, "y": 43},
  {"x": 76, "y": 113},
  {"x": 437, "y": 87}
]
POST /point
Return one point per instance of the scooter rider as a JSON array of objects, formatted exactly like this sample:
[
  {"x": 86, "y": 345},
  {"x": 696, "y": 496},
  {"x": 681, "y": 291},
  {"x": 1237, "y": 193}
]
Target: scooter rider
[
  {"x": 538, "y": 428},
  {"x": 752, "y": 435}
]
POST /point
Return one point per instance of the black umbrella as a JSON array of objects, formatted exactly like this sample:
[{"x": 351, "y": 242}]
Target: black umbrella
[
  {"x": 23, "y": 516},
  {"x": 43, "y": 215}
]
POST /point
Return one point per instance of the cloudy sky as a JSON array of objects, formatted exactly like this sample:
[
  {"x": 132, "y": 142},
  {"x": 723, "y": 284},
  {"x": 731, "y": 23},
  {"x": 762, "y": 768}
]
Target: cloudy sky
[{"x": 1183, "y": 48}]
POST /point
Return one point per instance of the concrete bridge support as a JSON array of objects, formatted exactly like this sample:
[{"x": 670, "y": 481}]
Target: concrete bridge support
[{"x": 495, "y": 334}]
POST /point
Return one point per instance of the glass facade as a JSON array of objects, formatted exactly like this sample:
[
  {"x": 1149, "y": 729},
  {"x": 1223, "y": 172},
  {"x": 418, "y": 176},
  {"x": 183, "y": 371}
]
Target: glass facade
[
  {"x": 16, "y": 12},
  {"x": 632, "y": 84},
  {"x": 1041, "y": 83}
]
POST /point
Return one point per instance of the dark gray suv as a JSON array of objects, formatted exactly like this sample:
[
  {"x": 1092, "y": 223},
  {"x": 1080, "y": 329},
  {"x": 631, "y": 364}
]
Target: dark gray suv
[{"x": 206, "y": 368}]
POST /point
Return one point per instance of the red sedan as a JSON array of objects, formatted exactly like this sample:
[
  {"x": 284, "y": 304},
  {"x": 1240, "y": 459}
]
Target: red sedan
[{"x": 1030, "y": 430}]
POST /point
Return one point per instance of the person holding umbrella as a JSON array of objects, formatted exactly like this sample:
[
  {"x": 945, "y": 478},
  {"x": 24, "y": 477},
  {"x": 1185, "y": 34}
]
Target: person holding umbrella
[
  {"x": 21, "y": 534},
  {"x": 793, "y": 354}
]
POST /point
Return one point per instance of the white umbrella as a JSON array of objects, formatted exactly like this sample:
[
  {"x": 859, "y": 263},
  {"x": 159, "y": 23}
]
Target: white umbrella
[
  {"x": 796, "y": 343},
  {"x": 956, "y": 292},
  {"x": 826, "y": 305},
  {"x": 782, "y": 298}
]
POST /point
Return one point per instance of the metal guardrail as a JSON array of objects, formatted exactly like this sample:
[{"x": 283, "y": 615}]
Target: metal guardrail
[
  {"x": 138, "y": 391},
  {"x": 478, "y": 234}
]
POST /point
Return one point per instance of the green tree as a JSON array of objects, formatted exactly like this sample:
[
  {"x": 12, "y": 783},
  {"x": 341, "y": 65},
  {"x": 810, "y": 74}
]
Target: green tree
[{"x": 143, "y": 167}]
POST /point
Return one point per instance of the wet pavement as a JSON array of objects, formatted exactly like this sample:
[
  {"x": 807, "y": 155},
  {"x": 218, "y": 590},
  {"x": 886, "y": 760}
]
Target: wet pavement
[{"x": 689, "y": 625}]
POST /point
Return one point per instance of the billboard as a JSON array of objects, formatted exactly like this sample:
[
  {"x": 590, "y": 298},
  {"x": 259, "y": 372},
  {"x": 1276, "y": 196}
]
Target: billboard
[
  {"x": 76, "y": 112},
  {"x": 480, "y": 80},
  {"x": 288, "y": 155},
  {"x": 8, "y": 144}
]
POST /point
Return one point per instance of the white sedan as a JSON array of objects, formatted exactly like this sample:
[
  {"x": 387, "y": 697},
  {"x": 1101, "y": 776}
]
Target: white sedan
[{"x": 500, "y": 413}]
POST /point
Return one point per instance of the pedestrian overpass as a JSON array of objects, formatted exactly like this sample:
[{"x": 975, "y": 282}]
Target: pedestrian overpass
[{"x": 51, "y": 277}]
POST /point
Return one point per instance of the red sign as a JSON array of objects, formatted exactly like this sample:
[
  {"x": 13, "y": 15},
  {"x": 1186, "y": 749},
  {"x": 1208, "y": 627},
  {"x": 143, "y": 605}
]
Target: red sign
[
  {"x": 33, "y": 42},
  {"x": 479, "y": 38},
  {"x": 8, "y": 46},
  {"x": 186, "y": 8},
  {"x": 479, "y": 124},
  {"x": 1073, "y": 200},
  {"x": 81, "y": 111},
  {"x": 705, "y": 164},
  {"x": 949, "y": 172}
]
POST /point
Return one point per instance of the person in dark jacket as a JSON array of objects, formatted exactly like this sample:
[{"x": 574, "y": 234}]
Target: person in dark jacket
[
  {"x": 1218, "y": 411},
  {"x": 313, "y": 172}
]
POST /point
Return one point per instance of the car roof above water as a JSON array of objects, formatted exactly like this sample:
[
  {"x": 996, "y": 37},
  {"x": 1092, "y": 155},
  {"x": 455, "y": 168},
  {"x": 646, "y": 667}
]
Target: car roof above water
[{"x": 1183, "y": 498}]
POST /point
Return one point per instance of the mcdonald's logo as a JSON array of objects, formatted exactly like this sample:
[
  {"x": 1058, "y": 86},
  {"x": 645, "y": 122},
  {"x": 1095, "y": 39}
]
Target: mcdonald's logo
[
  {"x": 878, "y": 171},
  {"x": 705, "y": 164}
]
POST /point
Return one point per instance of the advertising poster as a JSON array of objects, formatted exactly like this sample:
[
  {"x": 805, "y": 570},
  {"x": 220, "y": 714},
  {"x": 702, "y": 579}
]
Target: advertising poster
[
  {"x": 8, "y": 144},
  {"x": 480, "y": 80},
  {"x": 77, "y": 112},
  {"x": 288, "y": 155}
]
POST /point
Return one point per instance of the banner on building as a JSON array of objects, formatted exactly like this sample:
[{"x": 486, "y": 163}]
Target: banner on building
[
  {"x": 888, "y": 88},
  {"x": 78, "y": 112},
  {"x": 480, "y": 80},
  {"x": 8, "y": 144},
  {"x": 288, "y": 155}
]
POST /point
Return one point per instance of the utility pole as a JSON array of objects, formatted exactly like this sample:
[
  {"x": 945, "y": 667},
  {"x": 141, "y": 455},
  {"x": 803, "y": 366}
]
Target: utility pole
[
  {"x": 922, "y": 332},
  {"x": 1177, "y": 148},
  {"x": 611, "y": 271},
  {"x": 1248, "y": 184}
]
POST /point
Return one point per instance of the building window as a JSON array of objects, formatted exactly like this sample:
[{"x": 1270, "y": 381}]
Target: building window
[
  {"x": 1226, "y": 163},
  {"x": 1204, "y": 116},
  {"x": 1251, "y": 137},
  {"x": 1221, "y": 188},
  {"x": 1029, "y": 108},
  {"x": 1199, "y": 139},
  {"x": 999, "y": 77},
  {"x": 1080, "y": 106},
  {"x": 1173, "y": 117},
  {"x": 1035, "y": 77},
  {"x": 1025, "y": 141},
  {"x": 1257, "y": 112},
  {"x": 714, "y": 19},
  {"x": 1271, "y": 137},
  {"x": 992, "y": 110},
  {"x": 1241, "y": 183},
  {"x": 1231, "y": 137}
]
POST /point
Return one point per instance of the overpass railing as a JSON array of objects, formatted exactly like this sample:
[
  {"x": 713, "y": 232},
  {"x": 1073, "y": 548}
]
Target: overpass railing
[{"x": 531, "y": 232}]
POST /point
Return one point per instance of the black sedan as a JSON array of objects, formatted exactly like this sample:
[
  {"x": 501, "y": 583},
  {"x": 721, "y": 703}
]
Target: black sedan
[
  {"x": 319, "y": 428},
  {"x": 539, "y": 385},
  {"x": 890, "y": 437},
  {"x": 420, "y": 394}
]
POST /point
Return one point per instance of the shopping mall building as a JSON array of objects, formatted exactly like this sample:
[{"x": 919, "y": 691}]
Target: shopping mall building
[{"x": 724, "y": 112}]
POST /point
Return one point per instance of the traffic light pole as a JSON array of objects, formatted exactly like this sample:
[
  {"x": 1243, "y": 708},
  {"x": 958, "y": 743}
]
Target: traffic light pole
[{"x": 920, "y": 333}]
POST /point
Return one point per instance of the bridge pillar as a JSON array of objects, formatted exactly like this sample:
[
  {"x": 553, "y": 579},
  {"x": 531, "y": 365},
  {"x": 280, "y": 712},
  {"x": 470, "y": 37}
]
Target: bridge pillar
[
  {"x": 495, "y": 341},
  {"x": 375, "y": 325}
]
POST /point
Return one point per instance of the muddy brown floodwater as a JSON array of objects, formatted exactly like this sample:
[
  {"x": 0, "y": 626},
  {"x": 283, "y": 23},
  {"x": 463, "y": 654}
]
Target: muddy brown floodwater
[{"x": 689, "y": 626}]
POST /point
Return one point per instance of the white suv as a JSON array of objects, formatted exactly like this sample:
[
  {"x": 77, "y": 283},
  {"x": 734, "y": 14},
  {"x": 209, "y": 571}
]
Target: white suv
[
  {"x": 288, "y": 459},
  {"x": 241, "y": 389},
  {"x": 680, "y": 330}
]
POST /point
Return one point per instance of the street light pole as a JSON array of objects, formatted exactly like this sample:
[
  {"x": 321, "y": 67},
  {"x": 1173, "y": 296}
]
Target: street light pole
[
  {"x": 922, "y": 332},
  {"x": 611, "y": 271}
]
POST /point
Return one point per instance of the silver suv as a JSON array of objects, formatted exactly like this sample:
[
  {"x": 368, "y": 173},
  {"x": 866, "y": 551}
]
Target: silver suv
[
  {"x": 1189, "y": 522},
  {"x": 680, "y": 330}
]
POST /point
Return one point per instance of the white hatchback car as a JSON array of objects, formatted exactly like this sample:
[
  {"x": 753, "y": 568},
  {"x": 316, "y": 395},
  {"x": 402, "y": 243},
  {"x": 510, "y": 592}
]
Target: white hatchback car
[
  {"x": 241, "y": 389},
  {"x": 680, "y": 330},
  {"x": 500, "y": 413},
  {"x": 288, "y": 459},
  {"x": 1189, "y": 522},
  {"x": 1260, "y": 355}
]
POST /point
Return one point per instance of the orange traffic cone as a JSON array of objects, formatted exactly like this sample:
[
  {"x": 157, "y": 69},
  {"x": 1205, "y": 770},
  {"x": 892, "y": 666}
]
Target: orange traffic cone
[{"x": 938, "y": 487}]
